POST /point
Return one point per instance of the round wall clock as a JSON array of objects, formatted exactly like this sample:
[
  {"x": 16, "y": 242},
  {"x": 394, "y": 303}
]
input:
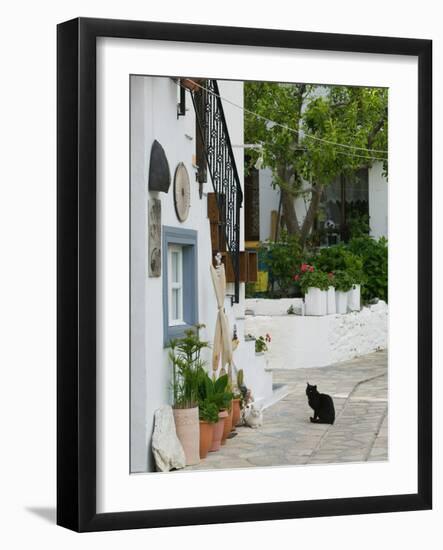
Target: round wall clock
[{"x": 182, "y": 192}]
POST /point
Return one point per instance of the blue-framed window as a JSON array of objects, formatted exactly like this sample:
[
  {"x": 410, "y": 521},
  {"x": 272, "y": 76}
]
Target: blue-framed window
[{"x": 180, "y": 281}]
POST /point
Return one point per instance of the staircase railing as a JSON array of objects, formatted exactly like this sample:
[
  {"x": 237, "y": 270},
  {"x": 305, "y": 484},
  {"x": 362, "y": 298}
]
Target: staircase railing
[{"x": 222, "y": 167}]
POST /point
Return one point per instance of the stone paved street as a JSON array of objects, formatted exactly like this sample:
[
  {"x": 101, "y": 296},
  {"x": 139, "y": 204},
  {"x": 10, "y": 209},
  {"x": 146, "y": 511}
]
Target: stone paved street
[{"x": 360, "y": 391}]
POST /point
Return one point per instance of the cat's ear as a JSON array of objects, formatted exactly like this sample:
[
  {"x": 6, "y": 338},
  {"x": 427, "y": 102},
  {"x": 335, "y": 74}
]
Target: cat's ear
[{"x": 315, "y": 387}]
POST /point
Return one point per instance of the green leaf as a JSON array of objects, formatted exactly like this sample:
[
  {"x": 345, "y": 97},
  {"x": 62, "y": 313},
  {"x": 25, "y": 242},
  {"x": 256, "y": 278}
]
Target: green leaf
[{"x": 221, "y": 384}]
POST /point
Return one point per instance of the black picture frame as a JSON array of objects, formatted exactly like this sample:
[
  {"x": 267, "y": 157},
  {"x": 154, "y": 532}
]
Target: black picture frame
[{"x": 76, "y": 273}]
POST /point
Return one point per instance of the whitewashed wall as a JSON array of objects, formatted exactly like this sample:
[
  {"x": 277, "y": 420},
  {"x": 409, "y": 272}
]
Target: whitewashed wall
[
  {"x": 304, "y": 342},
  {"x": 263, "y": 306},
  {"x": 154, "y": 116},
  {"x": 378, "y": 201}
]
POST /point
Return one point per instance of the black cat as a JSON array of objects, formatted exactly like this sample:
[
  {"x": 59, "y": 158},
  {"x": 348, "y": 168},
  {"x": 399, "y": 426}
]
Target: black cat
[{"x": 324, "y": 412}]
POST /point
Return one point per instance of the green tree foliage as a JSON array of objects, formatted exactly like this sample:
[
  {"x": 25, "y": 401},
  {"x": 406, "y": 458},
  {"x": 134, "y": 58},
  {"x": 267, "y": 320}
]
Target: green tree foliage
[{"x": 321, "y": 117}]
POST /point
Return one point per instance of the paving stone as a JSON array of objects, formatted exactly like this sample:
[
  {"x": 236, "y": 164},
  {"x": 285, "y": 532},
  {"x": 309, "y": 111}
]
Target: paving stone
[{"x": 287, "y": 437}]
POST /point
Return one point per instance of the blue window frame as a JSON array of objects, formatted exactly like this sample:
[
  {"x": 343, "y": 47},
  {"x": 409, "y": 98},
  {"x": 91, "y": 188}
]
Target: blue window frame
[{"x": 180, "y": 281}]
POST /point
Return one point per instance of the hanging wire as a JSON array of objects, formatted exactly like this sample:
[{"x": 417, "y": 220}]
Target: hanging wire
[
  {"x": 381, "y": 159},
  {"x": 284, "y": 126}
]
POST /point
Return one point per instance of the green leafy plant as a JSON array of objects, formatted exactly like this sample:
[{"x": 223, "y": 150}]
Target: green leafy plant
[
  {"x": 215, "y": 391},
  {"x": 187, "y": 368},
  {"x": 208, "y": 411},
  {"x": 358, "y": 225},
  {"x": 308, "y": 276},
  {"x": 342, "y": 281},
  {"x": 261, "y": 343},
  {"x": 374, "y": 256},
  {"x": 281, "y": 260},
  {"x": 340, "y": 258}
]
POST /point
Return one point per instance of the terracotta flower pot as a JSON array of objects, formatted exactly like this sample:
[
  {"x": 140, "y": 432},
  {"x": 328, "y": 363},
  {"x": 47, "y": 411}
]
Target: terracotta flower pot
[
  {"x": 227, "y": 426},
  {"x": 206, "y": 436},
  {"x": 218, "y": 431},
  {"x": 188, "y": 432},
  {"x": 236, "y": 413}
]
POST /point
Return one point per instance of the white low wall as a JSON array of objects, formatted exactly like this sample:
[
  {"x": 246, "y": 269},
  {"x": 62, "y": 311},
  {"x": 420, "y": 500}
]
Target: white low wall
[
  {"x": 301, "y": 342},
  {"x": 263, "y": 306},
  {"x": 257, "y": 373}
]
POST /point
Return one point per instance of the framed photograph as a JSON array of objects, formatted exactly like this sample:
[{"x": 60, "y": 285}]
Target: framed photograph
[{"x": 244, "y": 274}]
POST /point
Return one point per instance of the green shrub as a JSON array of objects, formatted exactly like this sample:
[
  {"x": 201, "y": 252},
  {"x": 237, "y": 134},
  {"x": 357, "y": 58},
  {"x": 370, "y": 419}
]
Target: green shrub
[
  {"x": 282, "y": 259},
  {"x": 316, "y": 279},
  {"x": 358, "y": 225},
  {"x": 342, "y": 281},
  {"x": 374, "y": 256},
  {"x": 340, "y": 258}
]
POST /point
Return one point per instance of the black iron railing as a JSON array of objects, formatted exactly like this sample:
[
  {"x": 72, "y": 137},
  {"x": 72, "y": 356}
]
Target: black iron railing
[{"x": 222, "y": 168}]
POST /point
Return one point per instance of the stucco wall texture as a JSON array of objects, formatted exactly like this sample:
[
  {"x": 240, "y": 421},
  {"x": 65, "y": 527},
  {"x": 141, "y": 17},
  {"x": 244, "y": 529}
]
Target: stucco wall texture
[{"x": 303, "y": 342}]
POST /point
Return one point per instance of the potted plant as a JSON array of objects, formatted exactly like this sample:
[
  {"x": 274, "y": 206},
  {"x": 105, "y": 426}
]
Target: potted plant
[
  {"x": 314, "y": 283},
  {"x": 187, "y": 371},
  {"x": 208, "y": 414},
  {"x": 342, "y": 283},
  {"x": 261, "y": 344},
  {"x": 340, "y": 258},
  {"x": 215, "y": 391},
  {"x": 228, "y": 419}
]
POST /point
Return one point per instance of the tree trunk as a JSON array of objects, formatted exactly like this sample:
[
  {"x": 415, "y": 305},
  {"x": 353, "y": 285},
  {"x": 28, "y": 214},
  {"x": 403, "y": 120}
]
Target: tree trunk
[
  {"x": 308, "y": 222},
  {"x": 289, "y": 213},
  {"x": 287, "y": 201}
]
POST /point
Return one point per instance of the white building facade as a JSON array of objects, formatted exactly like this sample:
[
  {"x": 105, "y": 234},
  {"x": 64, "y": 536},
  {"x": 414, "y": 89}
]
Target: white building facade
[{"x": 180, "y": 292}]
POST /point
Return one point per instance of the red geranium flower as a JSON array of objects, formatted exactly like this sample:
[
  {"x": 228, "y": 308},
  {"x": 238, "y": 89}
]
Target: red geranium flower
[
  {"x": 311, "y": 268},
  {"x": 304, "y": 268},
  {"x": 296, "y": 277}
]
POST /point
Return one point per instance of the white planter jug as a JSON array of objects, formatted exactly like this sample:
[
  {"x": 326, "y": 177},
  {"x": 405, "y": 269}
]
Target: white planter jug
[
  {"x": 354, "y": 298},
  {"x": 341, "y": 301},
  {"x": 331, "y": 307},
  {"x": 315, "y": 302}
]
